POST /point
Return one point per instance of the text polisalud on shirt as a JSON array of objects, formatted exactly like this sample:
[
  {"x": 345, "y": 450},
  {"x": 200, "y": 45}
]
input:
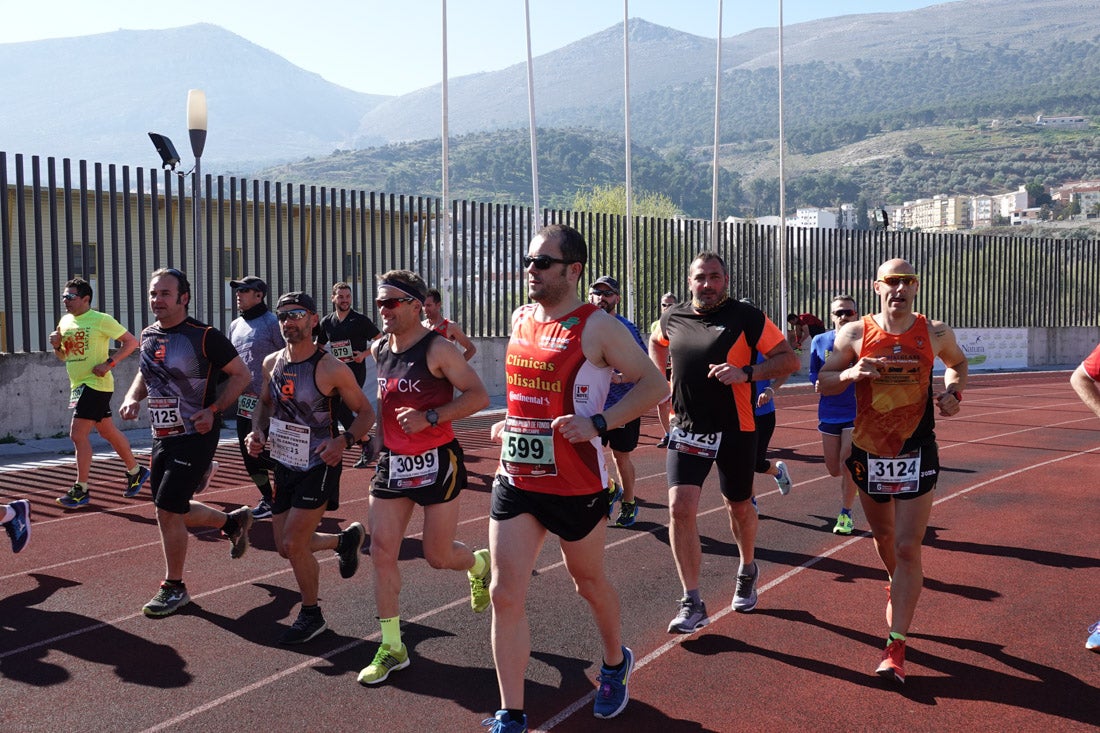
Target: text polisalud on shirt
[{"x": 991, "y": 349}]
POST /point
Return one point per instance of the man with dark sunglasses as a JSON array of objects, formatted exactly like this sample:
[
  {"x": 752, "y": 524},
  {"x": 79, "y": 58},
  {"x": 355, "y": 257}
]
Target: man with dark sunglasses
[
  {"x": 182, "y": 361},
  {"x": 604, "y": 294},
  {"x": 552, "y": 476},
  {"x": 894, "y": 459},
  {"x": 347, "y": 334},
  {"x": 836, "y": 414},
  {"x": 81, "y": 341},
  {"x": 255, "y": 334},
  {"x": 421, "y": 463},
  {"x": 301, "y": 388}
]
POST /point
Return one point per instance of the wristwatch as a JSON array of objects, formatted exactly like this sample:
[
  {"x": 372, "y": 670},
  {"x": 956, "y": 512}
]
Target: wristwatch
[
  {"x": 432, "y": 417},
  {"x": 349, "y": 440},
  {"x": 600, "y": 424},
  {"x": 747, "y": 369}
]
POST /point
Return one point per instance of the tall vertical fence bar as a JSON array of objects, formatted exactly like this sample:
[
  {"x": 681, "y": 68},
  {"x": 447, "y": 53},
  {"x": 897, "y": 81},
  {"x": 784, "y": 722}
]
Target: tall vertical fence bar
[{"x": 115, "y": 226}]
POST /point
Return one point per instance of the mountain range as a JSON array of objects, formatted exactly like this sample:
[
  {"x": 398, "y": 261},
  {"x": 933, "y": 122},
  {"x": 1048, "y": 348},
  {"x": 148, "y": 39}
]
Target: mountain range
[{"x": 847, "y": 79}]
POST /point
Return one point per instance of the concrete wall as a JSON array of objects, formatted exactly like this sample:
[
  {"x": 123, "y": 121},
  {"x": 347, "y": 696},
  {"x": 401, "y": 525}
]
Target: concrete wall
[{"x": 36, "y": 388}]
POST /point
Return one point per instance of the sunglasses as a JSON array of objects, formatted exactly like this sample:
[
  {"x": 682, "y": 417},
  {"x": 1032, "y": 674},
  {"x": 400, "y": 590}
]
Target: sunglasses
[
  {"x": 844, "y": 313},
  {"x": 391, "y": 303},
  {"x": 294, "y": 315},
  {"x": 69, "y": 296},
  {"x": 895, "y": 280},
  {"x": 601, "y": 293},
  {"x": 543, "y": 262},
  {"x": 667, "y": 305}
]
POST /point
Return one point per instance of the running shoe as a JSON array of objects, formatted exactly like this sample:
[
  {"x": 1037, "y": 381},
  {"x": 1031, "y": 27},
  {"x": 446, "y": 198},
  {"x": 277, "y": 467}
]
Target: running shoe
[
  {"x": 614, "y": 493},
  {"x": 352, "y": 540},
  {"x": 168, "y": 600},
  {"x": 893, "y": 662},
  {"x": 304, "y": 628},
  {"x": 755, "y": 508},
  {"x": 612, "y": 695},
  {"x": 204, "y": 483},
  {"x": 75, "y": 497},
  {"x": 628, "y": 514},
  {"x": 479, "y": 584},
  {"x": 19, "y": 528},
  {"x": 1092, "y": 643},
  {"x": 135, "y": 482},
  {"x": 691, "y": 618},
  {"x": 744, "y": 598},
  {"x": 385, "y": 661},
  {"x": 783, "y": 478},
  {"x": 843, "y": 524},
  {"x": 239, "y": 539},
  {"x": 663, "y": 442},
  {"x": 262, "y": 510},
  {"x": 503, "y": 723}
]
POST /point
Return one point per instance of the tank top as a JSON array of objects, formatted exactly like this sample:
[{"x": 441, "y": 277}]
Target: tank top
[
  {"x": 894, "y": 412},
  {"x": 297, "y": 399},
  {"x": 404, "y": 380},
  {"x": 548, "y": 376}
]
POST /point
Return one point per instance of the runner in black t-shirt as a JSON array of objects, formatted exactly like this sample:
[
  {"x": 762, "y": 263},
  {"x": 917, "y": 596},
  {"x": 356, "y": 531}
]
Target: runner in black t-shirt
[{"x": 348, "y": 334}]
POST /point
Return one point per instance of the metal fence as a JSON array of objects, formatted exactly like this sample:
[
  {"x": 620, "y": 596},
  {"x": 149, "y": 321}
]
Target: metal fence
[{"x": 115, "y": 225}]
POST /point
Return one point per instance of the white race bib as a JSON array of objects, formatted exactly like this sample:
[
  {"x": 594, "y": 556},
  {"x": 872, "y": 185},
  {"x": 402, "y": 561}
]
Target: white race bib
[
  {"x": 246, "y": 405},
  {"x": 899, "y": 475},
  {"x": 412, "y": 472},
  {"x": 74, "y": 395},
  {"x": 528, "y": 448},
  {"x": 165, "y": 417},
  {"x": 342, "y": 350},
  {"x": 289, "y": 443},
  {"x": 704, "y": 445}
]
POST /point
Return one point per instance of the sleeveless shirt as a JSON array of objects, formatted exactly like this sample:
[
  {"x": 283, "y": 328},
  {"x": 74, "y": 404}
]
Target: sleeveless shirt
[
  {"x": 404, "y": 380},
  {"x": 297, "y": 399}
]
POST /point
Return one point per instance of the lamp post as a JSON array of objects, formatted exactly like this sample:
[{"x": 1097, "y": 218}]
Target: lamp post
[{"x": 196, "y": 128}]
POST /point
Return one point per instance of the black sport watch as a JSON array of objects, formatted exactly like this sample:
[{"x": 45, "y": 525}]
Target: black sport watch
[
  {"x": 600, "y": 424},
  {"x": 747, "y": 369},
  {"x": 432, "y": 417},
  {"x": 349, "y": 440}
]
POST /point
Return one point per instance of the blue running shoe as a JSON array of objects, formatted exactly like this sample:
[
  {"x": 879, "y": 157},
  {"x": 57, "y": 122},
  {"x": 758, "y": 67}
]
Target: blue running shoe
[
  {"x": 19, "y": 528},
  {"x": 135, "y": 482},
  {"x": 612, "y": 696},
  {"x": 1093, "y": 642},
  {"x": 74, "y": 497},
  {"x": 503, "y": 723}
]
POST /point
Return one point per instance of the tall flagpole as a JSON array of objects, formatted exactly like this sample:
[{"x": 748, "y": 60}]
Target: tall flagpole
[
  {"x": 444, "y": 252},
  {"x": 537, "y": 211},
  {"x": 717, "y": 118},
  {"x": 783, "y": 311},
  {"x": 630, "y": 275}
]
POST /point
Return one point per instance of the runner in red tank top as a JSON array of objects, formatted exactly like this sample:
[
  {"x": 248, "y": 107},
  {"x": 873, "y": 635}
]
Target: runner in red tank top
[
  {"x": 894, "y": 460},
  {"x": 421, "y": 463},
  {"x": 552, "y": 478}
]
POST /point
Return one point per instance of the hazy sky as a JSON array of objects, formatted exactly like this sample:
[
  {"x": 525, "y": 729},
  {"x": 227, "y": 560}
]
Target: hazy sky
[{"x": 394, "y": 46}]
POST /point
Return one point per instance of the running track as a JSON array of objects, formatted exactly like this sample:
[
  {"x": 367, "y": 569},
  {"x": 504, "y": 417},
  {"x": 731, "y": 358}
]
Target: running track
[{"x": 1012, "y": 579}]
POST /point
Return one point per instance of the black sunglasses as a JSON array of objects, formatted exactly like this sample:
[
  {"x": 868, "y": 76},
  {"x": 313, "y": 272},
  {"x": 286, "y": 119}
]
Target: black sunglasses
[
  {"x": 69, "y": 296},
  {"x": 543, "y": 262},
  {"x": 293, "y": 315},
  {"x": 391, "y": 303},
  {"x": 844, "y": 313}
]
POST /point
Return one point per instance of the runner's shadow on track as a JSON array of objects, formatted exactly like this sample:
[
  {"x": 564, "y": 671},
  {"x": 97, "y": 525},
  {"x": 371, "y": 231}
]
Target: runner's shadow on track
[
  {"x": 713, "y": 644},
  {"x": 1032, "y": 686},
  {"x": 1044, "y": 558},
  {"x": 263, "y": 625},
  {"x": 134, "y": 658}
]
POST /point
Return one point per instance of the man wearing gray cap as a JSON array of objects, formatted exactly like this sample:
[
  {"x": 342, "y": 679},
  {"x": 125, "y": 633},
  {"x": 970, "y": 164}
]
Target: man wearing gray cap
[
  {"x": 604, "y": 294},
  {"x": 303, "y": 385},
  {"x": 255, "y": 334}
]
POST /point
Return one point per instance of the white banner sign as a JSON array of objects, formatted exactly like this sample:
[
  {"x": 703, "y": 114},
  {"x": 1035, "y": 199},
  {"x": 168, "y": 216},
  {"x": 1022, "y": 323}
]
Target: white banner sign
[{"x": 990, "y": 349}]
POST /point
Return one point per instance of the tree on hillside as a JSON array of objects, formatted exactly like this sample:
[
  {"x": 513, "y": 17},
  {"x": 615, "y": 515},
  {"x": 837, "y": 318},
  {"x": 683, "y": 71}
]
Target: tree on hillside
[{"x": 607, "y": 199}]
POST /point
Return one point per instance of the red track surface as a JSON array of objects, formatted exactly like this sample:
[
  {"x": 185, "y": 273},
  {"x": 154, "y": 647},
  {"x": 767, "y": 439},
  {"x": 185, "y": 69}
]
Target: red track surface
[{"x": 1012, "y": 579}]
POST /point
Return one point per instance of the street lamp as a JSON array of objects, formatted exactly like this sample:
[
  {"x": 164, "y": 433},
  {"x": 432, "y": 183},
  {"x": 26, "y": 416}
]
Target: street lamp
[{"x": 196, "y": 128}]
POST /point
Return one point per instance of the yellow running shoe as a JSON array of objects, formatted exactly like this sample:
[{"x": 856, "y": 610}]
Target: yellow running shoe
[
  {"x": 385, "y": 661},
  {"x": 479, "y": 584}
]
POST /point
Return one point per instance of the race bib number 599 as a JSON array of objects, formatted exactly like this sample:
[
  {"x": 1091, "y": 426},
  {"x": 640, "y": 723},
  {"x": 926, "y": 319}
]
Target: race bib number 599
[{"x": 528, "y": 448}]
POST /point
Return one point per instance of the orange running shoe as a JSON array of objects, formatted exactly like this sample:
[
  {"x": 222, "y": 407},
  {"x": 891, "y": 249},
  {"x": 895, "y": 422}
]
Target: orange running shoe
[{"x": 893, "y": 662}]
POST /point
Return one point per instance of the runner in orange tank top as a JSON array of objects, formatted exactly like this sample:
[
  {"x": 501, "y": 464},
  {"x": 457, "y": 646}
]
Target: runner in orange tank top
[{"x": 894, "y": 459}]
